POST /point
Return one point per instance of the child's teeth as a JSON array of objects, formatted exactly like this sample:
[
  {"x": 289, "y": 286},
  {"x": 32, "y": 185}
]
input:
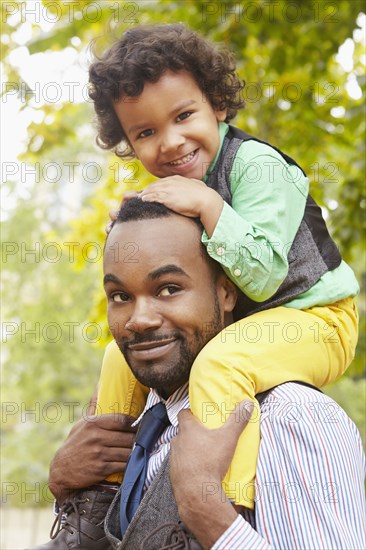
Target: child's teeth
[{"x": 183, "y": 160}]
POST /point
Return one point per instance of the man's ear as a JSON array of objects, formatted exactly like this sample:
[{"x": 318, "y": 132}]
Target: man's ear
[{"x": 228, "y": 293}]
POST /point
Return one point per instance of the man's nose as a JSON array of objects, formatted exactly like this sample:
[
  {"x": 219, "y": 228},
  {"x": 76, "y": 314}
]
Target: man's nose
[
  {"x": 144, "y": 317},
  {"x": 171, "y": 140}
]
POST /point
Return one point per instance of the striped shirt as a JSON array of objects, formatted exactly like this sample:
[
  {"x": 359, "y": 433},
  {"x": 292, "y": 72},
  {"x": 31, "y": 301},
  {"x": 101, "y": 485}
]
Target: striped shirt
[{"x": 309, "y": 479}]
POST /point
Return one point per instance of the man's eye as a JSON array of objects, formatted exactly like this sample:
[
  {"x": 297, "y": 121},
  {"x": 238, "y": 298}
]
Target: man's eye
[
  {"x": 184, "y": 115},
  {"x": 169, "y": 290},
  {"x": 145, "y": 133},
  {"x": 119, "y": 297}
]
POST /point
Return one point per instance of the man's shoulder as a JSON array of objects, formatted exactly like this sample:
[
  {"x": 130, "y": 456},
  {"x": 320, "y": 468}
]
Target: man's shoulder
[
  {"x": 297, "y": 393},
  {"x": 296, "y": 408}
]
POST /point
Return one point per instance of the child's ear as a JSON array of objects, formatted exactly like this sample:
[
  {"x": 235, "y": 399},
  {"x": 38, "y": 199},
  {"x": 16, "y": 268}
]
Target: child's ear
[
  {"x": 133, "y": 153},
  {"x": 221, "y": 114}
]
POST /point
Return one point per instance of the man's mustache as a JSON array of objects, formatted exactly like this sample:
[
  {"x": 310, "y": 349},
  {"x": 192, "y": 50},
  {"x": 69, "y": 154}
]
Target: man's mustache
[{"x": 147, "y": 338}]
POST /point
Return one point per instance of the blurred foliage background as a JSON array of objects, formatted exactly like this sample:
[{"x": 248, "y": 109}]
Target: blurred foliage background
[{"x": 57, "y": 194}]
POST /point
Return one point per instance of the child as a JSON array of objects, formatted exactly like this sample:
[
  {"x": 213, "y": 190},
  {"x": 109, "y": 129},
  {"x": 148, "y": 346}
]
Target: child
[{"x": 165, "y": 96}]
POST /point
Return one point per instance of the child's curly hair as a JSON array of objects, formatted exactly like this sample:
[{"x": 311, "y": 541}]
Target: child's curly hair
[{"x": 143, "y": 55}]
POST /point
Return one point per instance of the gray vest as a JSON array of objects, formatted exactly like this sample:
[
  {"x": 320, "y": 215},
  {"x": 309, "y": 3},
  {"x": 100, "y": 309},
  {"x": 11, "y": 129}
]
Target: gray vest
[
  {"x": 313, "y": 252},
  {"x": 156, "y": 523}
]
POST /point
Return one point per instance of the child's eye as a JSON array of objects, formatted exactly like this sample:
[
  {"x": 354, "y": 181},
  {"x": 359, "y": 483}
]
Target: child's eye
[
  {"x": 169, "y": 290},
  {"x": 184, "y": 115},
  {"x": 119, "y": 297},
  {"x": 145, "y": 133}
]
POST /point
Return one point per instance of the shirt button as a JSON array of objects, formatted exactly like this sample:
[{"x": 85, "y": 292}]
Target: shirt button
[
  {"x": 237, "y": 272},
  {"x": 220, "y": 251}
]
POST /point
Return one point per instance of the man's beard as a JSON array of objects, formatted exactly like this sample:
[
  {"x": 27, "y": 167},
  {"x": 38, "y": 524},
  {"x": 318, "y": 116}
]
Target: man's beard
[{"x": 178, "y": 367}]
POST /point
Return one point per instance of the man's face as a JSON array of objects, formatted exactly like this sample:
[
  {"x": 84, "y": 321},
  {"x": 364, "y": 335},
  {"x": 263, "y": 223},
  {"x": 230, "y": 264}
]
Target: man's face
[
  {"x": 164, "y": 301},
  {"x": 172, "y": 126}
]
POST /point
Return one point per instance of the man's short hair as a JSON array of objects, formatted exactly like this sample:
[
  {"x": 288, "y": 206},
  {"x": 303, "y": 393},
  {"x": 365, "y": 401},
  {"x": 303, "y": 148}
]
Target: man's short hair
[{"x": 136, "y": 209}]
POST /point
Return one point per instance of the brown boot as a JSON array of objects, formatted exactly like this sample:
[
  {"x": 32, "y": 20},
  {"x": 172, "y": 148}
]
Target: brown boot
[{"x": 83, "y": 526}]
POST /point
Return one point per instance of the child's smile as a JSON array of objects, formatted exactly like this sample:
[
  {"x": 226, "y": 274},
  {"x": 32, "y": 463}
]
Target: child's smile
[
  {"x": 171, "y": 126},
  {"x": 183, "y": 161}
]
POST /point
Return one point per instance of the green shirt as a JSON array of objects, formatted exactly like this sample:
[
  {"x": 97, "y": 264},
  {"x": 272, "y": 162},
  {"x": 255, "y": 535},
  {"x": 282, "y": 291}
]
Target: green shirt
[{"x": 252, "y": 237}]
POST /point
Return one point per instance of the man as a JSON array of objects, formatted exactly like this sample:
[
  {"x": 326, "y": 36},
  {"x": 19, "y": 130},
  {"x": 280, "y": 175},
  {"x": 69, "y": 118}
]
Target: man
[{"x": 162, "y": 309}]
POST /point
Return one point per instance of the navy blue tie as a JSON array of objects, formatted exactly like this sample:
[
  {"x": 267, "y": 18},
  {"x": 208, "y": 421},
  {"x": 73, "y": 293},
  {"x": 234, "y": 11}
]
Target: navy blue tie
[{"x": 153, "y": 423}]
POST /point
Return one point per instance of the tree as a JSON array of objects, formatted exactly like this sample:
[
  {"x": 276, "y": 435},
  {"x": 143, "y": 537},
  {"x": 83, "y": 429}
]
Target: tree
[{"x": 297, "y": 97}]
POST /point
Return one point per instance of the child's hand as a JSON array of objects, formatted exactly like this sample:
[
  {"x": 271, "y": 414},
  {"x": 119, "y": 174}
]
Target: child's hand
[
  {"x": 113, "y": 216},
  {"x": 188, "y": 197},
  {"x": 129, "y": 195},
  {"x": 114, "y": 213},
  {"x": 183, "y": 195}
]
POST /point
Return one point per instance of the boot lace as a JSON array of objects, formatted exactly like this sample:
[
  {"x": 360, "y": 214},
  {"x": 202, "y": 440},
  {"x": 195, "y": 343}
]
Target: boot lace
[
  {"x": 177, "y": 539},
  {"x": 68, "y": 507}
]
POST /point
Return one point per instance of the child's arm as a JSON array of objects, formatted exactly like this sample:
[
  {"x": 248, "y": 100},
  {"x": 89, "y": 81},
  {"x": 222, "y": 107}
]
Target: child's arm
[{"x": 252, "y": 238}]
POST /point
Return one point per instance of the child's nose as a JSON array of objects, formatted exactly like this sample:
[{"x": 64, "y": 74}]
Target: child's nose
[{"x": 171, "y": 140}]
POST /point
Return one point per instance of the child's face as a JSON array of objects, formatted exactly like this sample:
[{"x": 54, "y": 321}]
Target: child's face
[{"x": 171, "y": 126}]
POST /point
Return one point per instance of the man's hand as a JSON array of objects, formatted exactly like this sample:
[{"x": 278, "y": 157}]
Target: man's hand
[
  {"x": 199, "y": 461},
  {"x": 96, "y": 447}
]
